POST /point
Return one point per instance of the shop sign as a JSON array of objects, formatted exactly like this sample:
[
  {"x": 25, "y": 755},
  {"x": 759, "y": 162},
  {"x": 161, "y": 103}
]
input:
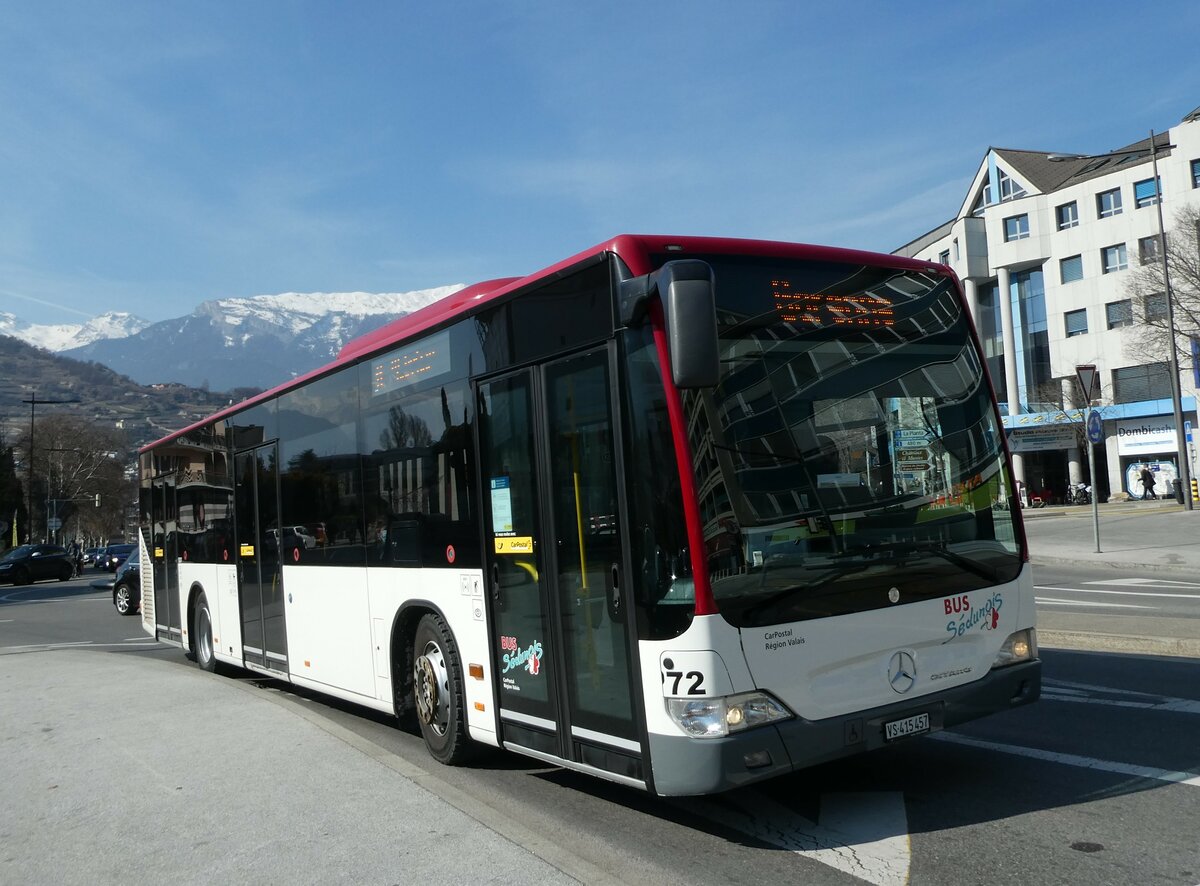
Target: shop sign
[
  {"x": 1139, "y": 436},
  {"x": 1046, "y": 437}
]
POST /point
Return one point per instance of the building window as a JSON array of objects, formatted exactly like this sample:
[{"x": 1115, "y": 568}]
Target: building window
[
  {"x": 1076, "y": 322},
  {"x": 1119, "y": 313},
  {"x": 1009, "y": 189},
  {"x": 1067, "y": 215},
  {"x": 1108, "y": 203},
  {"x": 1016, "y": 228},
  {"x": 944, "y": 257},
  {"x": 956, "y": 249},
  {"x": 1156, "y": 306},
  {"x": 1196, "y": 173},
  {"x": 1145, "y": 193},
  {"x": 1133, "y": 384},
  {"x": 1148, "y": 250},
  {"x": 1071, "y": 268},
  {"x": 1113, "y": 258}
]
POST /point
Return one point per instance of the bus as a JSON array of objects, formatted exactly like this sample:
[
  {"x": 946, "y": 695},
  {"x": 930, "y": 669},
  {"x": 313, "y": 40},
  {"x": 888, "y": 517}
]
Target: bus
[{"x": 684, "y": 513}]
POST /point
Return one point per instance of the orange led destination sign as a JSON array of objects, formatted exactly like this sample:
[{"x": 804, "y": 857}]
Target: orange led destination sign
[
  {"x": 827, "y": 309},
  {"x": 427, "y": 358}
]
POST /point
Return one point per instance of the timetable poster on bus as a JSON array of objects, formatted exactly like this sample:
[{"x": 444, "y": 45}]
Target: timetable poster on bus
[{"x": 506, "y": 540}]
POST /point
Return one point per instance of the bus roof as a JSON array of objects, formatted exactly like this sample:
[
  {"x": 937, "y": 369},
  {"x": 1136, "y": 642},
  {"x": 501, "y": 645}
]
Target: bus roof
[{"x": 635, "y": 250}]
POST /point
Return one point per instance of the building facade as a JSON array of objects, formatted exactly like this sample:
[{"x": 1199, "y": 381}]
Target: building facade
[{"x": 1047, "y": 246}]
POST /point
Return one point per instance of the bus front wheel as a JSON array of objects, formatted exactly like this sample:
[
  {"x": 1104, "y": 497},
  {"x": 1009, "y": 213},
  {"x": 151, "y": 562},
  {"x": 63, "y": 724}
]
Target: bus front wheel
[{"x": 438, "y": 692}]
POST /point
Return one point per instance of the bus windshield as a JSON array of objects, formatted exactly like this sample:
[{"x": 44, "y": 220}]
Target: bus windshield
[{"x": 850, "y": 457}]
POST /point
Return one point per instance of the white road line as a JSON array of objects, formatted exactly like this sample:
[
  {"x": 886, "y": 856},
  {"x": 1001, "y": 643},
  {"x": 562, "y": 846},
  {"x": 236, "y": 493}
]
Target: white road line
[
  {"x": 1191, "y": 779},
  {"x": 861, "y": 834},
  {"x": 1145, "y": 582},
  {"x": 1181, "y": 707},
  {"x": 1119, "y": 593},
  {"x": 46, "y": 646},
  {"x": 1051, "y": 601},
  {"x": 1146, "y": 700}
]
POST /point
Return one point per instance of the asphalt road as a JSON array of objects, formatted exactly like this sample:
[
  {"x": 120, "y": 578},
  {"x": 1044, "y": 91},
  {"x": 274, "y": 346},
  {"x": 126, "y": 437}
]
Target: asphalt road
[{"x": 1098, "y": 783}]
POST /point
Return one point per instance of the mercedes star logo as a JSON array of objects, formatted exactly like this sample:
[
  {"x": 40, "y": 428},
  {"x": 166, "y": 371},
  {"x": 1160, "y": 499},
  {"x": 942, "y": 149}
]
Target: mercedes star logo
[{"x": 902, "y": 671}]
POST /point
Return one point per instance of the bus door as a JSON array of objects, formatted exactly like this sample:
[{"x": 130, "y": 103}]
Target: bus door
[
  {"x": 553, "y": 555},
  {"x": 260, "y": 578},
  {"x": 163, "y": 549}
]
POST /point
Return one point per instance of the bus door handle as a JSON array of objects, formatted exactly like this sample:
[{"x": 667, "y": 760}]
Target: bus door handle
[
  {"x": 614, "y": 594},
  {"x": 496, "y": 582}
]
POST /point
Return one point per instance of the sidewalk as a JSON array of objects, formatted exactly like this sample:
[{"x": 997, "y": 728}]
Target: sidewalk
[
  {"x": 1138, "y": 539},
  {"x": 1147, "y": 536},
  {"x": 125, "y": 769}
]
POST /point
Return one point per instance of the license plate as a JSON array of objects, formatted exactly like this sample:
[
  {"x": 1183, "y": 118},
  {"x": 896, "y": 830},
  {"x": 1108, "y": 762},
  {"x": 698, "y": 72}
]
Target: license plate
[{"x": 914, "y": 725}]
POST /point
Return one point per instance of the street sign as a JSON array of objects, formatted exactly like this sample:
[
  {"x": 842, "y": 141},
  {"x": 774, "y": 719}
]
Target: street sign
[
  {"x": 1087, "y": 376},
  {"x": 1095, "y": 426},
  {"x": 54, "y": 524}
]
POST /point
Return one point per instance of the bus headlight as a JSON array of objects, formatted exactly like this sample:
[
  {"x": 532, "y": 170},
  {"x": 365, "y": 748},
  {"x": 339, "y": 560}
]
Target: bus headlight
[
  {"x": 719, "y": 716},
  {"x": 1021, "y": 646}
]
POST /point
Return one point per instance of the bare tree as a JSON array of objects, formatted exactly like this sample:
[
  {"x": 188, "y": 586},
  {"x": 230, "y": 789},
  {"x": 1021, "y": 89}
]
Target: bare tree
[
  {"x": 74, "y": 461},
  {"x": 1147, "y": 291}
]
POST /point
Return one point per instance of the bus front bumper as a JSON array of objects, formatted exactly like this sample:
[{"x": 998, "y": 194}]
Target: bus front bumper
[{"x": 684, "y": 766}]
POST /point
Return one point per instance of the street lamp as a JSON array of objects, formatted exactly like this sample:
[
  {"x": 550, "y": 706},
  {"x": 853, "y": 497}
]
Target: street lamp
[
  {"x": 33, "y": 401},
  {"x": 1185, "y": 467}
]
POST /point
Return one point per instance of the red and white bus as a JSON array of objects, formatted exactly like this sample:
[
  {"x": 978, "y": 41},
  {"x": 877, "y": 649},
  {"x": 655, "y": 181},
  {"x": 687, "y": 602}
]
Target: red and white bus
[{"x": 683, "y": 513}]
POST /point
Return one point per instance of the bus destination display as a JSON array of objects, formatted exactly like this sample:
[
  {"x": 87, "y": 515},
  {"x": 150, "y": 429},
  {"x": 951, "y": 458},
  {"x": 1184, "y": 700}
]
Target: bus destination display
[
  {"x": 828, "y": 309},
  {"x": 426, "y": 359}
]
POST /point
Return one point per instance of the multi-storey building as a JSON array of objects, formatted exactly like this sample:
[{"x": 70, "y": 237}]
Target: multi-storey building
[{"x": 1046, "y": 245}]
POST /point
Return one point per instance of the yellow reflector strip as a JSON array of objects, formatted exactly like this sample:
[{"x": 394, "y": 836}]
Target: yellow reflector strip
[
  {"x": 476, "y": 671},
  {"x": 479, "y": 706}
]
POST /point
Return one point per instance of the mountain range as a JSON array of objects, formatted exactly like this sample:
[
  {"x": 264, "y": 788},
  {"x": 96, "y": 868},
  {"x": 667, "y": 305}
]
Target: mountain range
[
  {"x": 228, "y": 343},
  {"x": 64, "y": 336}
]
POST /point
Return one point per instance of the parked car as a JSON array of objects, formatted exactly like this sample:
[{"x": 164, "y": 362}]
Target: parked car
[
  {"x": 29, "y": 563},
  {"x": 113, "y": 556},
  {"x": 127, "y": 586}
]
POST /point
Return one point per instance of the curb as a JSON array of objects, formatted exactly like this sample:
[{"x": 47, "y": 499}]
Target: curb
[
  {"x": 1061, "y": 560},
  {"x": 1180, "y": 647}
]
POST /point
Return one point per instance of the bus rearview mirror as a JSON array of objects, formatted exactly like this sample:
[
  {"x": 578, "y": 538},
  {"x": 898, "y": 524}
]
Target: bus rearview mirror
[{"x": 686, "y": 290}]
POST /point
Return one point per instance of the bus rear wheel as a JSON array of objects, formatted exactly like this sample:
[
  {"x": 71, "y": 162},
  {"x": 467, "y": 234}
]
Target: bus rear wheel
[
  {"x": 202, "y": 635},
  {"x": 438, "y": 692}
]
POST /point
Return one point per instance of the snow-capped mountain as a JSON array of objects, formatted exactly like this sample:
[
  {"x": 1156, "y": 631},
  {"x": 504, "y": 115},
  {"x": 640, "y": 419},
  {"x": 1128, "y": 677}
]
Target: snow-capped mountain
[
  {"x": 63, "y": 336},
  {"x": 255, "y": 342}
]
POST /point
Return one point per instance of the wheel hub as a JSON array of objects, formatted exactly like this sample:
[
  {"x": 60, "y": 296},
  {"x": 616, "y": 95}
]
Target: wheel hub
[{"x": 431, "y": 683}]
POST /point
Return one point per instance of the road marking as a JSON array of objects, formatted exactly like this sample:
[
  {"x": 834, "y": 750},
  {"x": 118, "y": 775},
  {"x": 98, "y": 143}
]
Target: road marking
[
  {"x": 1119, "y": 593},
  {"x": 1145, "y": 582},
  {"x": 861, "y": 834},
  {"x": 1191, "y": 779},
  {"x": 48, "y": 647},
  {"x": 1051, "y": 601},
  {"x": 1064, "y": 691}
]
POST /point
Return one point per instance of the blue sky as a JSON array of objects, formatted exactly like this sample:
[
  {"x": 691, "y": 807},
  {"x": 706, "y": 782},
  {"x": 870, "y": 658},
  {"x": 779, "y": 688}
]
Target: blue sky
[{"x": 154, "y": 155}]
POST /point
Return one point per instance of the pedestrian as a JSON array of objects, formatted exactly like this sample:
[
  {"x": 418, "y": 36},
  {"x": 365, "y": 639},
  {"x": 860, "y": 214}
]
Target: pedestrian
[{"x": 1147, "y": 483}]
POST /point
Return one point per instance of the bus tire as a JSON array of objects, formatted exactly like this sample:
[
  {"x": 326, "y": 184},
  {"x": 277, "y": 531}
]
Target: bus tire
[
  {"x": 438, "y": 692},
  {"x": 206, "y": 659}
]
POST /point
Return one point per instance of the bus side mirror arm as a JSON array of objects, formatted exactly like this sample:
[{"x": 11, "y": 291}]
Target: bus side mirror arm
[{"x": 688, "y": 295}]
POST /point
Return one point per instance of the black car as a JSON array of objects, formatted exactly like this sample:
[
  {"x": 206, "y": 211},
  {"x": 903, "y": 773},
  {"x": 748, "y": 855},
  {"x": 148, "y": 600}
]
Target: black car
[
  {"x": 127, "y": 586},
  {"x": 113, "y": 556},
  {"x": 28, "y": 563}
]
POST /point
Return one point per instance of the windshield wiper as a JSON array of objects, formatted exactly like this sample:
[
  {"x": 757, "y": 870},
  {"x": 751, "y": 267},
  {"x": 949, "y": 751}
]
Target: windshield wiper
[
  {"x": 899, "y": 551},
  {"x": 833, "y": 571}
]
